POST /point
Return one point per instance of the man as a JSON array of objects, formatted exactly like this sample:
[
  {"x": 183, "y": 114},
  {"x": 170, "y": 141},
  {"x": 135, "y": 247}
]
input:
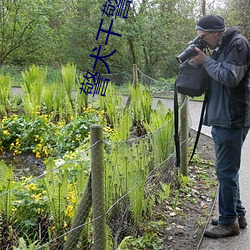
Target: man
[{"x": 228, "y": 112}]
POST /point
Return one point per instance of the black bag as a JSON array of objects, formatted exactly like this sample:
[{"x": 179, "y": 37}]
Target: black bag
[{"x": 192, "y": 80}]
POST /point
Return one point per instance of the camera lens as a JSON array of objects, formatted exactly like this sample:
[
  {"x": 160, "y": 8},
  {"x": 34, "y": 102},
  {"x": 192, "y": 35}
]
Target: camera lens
[{"x": 187, "y": 53}]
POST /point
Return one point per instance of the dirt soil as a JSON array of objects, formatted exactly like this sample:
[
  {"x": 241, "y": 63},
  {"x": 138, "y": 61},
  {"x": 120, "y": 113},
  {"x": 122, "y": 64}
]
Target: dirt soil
[{"x": 187, "y": 222}]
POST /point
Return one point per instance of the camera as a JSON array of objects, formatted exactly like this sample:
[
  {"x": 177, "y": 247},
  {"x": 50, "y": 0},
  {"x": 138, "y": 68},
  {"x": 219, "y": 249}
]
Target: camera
[{"x": 190, "y": 51}]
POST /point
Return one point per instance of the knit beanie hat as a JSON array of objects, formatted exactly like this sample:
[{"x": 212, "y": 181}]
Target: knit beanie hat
[{"x": 210, "y": 23}]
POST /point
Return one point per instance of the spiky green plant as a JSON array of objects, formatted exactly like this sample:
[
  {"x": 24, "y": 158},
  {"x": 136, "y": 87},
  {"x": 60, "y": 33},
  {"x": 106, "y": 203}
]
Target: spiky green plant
[
  {"x": 6, "y": 184},
  {"x": 81, "y": 100},
  {"x": 68, "y": 74},
  {"x": 161, "y": 129},
  {"x": 48, "y": 97},
  {"x": 56, "y": 185},
  {"x": 5, "y": 89},
  {"x": 126, "y": 171},
  {"x": 111, "y": 103},
  {"x": 33, "y": 86},
  {"x": 141, "y": 103}
]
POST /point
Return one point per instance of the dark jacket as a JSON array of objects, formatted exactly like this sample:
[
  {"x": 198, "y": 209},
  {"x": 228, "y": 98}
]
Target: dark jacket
[{"x": 229, "y": 90}]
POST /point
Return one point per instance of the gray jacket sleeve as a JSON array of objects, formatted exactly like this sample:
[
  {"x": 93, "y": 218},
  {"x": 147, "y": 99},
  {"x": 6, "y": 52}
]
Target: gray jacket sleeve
[{"x": 232, "y": 69}]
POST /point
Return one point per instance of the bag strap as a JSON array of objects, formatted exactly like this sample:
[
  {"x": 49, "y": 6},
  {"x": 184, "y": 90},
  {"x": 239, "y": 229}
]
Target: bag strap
[
  {"x": 176, "y": 126},
  {"x": 199, "y": 127}
]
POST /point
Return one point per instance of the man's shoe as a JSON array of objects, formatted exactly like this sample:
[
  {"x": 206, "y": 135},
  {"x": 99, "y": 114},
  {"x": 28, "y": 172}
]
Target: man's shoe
[
  {"x": 241, "y": 219},
  {"x": 221, "y": 231}
]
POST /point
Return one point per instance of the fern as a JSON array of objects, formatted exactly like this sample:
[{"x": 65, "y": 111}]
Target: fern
[
  {"x": 56, "y": 185},
  {"x": 6, "y": 184}
]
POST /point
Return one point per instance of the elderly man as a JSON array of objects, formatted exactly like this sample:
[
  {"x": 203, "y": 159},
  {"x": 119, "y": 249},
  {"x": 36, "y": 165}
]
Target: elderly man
[{"x": 228, "y": 112}]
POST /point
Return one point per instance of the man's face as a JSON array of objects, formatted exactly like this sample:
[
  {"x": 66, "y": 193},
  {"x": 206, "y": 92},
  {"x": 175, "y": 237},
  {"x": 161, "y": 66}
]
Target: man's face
[{"x": 211, "y": 38}]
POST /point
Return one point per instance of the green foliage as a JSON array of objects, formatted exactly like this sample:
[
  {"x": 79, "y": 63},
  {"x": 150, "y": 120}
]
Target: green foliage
[
  {"x": 147, "y": 241},
  {"x": 126, "y": 172},
  {"x": 22, "y": 22},
  {"x": 30, "y": 245},
  {"x": 68, "y": 74},
  {"x": 161, "y": 126},
  {"x": 55, "y": 196},
  {"x": 141, "y": 104},
  {"x": 111, "y": 103},
  {"x": 164, "y": 191},
  {"x": 6, "y": 184},
  {"x": 33, "y": 85},
  {"x": 57, "y": 188},
  {"x": 30, "y": 206},
  {"x": 48, "y": 98},
  {"x": 43, "y": 137},
  {"x": 5, "y": 88}
]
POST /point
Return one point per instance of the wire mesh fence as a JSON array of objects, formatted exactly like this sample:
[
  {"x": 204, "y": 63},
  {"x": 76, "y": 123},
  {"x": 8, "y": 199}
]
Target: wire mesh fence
[
  {"x": 46, "y": 210},
  {"x": 55, "y": 210}
]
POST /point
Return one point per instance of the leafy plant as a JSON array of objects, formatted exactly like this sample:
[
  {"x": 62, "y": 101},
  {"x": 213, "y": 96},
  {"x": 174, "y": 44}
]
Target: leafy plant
[
  {"x": 68, "y": 74},
  {"x": 33, "y": 85},
  {"x": 6, "y": 184},
  {"x": 141, "y": 104},
  {"x": 161, "y": 126},
  {"x": 111, "y": 104},
  {"x": 147, "y": 241},
  {"x": 5, "y": 89},
  {"x": 22, "y": 245}
]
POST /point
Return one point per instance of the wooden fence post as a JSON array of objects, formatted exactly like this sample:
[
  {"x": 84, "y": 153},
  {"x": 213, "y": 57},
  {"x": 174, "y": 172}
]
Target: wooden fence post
[
  {"x": 98, "y": 194},
  {"x": 184, "y": 135},
  {"x": 135, "y": 74}
]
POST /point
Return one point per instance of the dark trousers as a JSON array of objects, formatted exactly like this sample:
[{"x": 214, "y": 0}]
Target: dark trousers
[{"x": 228, "y": 145}]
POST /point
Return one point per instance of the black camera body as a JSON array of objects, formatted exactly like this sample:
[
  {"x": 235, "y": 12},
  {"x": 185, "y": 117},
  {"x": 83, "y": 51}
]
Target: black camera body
[{"x": 190, "y": 51}]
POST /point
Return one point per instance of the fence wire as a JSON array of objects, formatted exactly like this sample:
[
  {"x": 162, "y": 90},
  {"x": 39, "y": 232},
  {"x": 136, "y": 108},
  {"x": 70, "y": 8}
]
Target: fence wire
[{"x": 43, "y": 210}]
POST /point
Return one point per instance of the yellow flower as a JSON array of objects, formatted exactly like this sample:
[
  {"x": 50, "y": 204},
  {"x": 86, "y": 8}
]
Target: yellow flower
[
  {"x": 73, "y": 199},
  {"x": 6, "y": 132},
  {"x": 69, "y": 211},
  {"x": 37, "y": 196},
  {"x": 38, "y": 155},
  {"x": 31, "y": 187}
]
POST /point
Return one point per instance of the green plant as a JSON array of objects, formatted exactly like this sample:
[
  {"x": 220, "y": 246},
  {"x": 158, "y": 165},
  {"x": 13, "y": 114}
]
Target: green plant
[
  {"x": 176, "y": 199},
  {"x": 48, "y": 97},
  {"x": 184, "y": 181},
  {"x": 6, "y": 196},
  {"x": 164, "y": 191},
  {"x": 141, "y": 104},
  {"x": 33, "y": 86},
  {"x": 161, "y": 128},
  {"x": 147, "y": 241},
  {"x": 68, "y": 74},
  {"x": 81, "y": 100},
  {"x": 22, "y": 245},
  {"x": 5, "y": 89},
  {"x": 30, "y": 208},
  {"x": 111, "y": 104}
]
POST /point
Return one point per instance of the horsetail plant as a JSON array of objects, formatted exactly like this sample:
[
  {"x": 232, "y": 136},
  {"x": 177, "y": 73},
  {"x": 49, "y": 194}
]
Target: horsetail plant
[
  {"x": 6, "y": 184},
  {"x": 56, "y": 184},
  {"x": 33, "y": 86},
  {"x": 161, "y": 128},
  {"x": 111, "y": 103},
  {"x": 5, "y": 89},
  {"x": 68, "y": 74},
  {"x": 141, "y": 106}
]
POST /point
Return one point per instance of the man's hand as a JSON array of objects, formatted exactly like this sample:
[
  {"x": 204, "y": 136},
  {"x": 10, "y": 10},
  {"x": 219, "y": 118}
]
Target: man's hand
[{"x": 200, "y": 58}]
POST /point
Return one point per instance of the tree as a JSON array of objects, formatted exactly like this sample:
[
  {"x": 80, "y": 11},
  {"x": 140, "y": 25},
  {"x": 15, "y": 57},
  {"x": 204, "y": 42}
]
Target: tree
[{"x": 21, "y": 21}]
